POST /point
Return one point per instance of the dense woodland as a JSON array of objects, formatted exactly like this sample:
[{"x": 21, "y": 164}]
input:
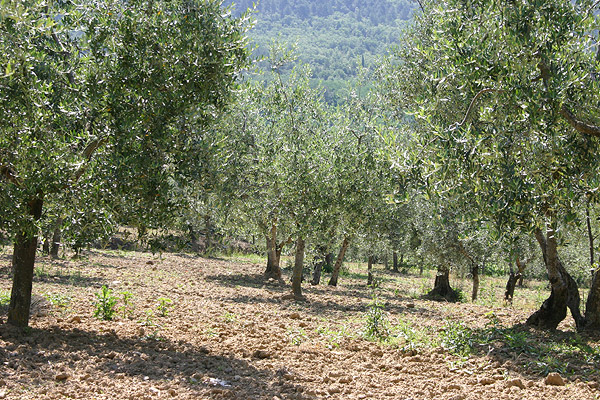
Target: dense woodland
[
  {"x": 336, "y": 39},
  {"x": 471, "y": 147}
]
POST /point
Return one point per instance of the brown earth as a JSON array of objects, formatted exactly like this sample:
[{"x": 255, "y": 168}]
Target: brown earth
[{"x": 230, "y": 335}]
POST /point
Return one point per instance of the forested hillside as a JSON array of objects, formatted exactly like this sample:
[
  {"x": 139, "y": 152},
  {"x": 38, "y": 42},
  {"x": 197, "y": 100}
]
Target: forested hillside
[{"x": 336, "y": 37}]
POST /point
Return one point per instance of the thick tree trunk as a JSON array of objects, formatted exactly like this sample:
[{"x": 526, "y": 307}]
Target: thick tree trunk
[
  {"x": 441, "y": 287},
  {"x": 370, "y": 271},
  {"x": 338, "y": 262},
  {"x": 25, "y": 247},
  {"x": 56, "y": 238},
  {"x": 592, "y": 306},
  {"x": 475, "y": 272},
  {"x": 564, "y": 292},
  {"x": 395, "y": 261},
  {"x": 297, "y": 271},
  {"x": 273, "y": 255}
]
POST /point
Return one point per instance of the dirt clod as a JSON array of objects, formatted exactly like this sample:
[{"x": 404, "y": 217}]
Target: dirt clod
[{"x": 554, "y": 379}]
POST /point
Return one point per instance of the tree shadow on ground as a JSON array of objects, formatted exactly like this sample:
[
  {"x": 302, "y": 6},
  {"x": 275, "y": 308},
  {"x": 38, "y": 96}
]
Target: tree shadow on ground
[
  {"x": 519, "y": 348},
  {"x": 535, "y": 353},
  {"x": 84, "y": 355},
  {"x": 256, "y": 281}
]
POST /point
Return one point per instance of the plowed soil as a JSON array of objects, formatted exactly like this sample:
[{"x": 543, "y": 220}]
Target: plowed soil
[{"x": 228, "y": 334}]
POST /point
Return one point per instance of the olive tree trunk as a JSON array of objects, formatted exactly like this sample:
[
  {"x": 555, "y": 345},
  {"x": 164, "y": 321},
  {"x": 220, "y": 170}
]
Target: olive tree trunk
[
  {"x": 592, "y": 306},
  {"x": 25, "y": 247},
  {"x": 441, "y": 286},
  {"x": 338, "y": 262},
  {"x": 564, "y": 292},
  {"x": 297, "y": 271},
  {"x": 510, "y": 286},
  {"x": 273, "y": 255},
  {"x": 475, "y": 272},
  {"x": 56, "y": 238},
  {"x": 370, "y": 271}
]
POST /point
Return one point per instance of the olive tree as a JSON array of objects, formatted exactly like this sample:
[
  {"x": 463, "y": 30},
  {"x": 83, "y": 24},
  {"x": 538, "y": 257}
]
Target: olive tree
[
  {"x": 504, "y": 97},
  {"x": 97, "y": 93}
]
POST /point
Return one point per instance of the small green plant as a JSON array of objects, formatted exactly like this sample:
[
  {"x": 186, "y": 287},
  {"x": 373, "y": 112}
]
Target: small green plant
[
  {"x": 164, "y": 306},
  {"x": 41, "y": 272},
  {"x": 60, "y": 301},
  {"x": 105, "y": 304},
  {"x": 4, "y": 298},
  {"x": 377, "y": 326},
  {"x": 457, "y": 338},
  {"x": 229, "y": 317},
  {"x": 148, "y": 320},
  {"x": 408, "y": 337},
  {"x": 127, "y": 308},
  {"x": 461, "y": 297},
  {"x": 297, "y": 336}
]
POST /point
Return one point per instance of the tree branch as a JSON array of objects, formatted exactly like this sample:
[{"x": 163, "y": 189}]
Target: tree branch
[
  {"x": 579, "y": 125},
  {"x": 8, "y": 173},
  {"x": 477, "y": 96},
  {"x": 88, "y": 153}
]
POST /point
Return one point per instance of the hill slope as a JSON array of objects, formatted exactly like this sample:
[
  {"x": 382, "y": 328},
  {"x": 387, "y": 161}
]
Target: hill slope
[{"x": 336, "y": 37}]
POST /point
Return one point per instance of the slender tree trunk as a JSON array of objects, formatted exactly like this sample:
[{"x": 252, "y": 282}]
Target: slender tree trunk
[
  {"x": 395, "y": 261},
  {"x": 297, "y": 271},
  {"x": 386, "y": 262},
  {"x": 475, "y": 272},
  {"x": 589, "y": 232},
  {"x": 564, "y": 292},
  {"x": 273, "y": 255},
  {"x": 46, "y": 245},
  {"x": 510, "y": 285},
  {"x": 208, "y": 234},
  {"x": 338, "y": 263},
  {"x": 370, "y": 271},
  {"x": 316, "y": 277},
  {"x": 56, "y": 238},
  {"x": 25, "y": 246},
  {"x": 193, "y": 239},
  {"x": 329, "y": 261}
]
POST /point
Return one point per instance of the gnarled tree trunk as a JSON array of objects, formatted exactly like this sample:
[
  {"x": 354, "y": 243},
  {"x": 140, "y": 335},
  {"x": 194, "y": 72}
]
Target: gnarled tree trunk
[
  {"x": 513, "y": 278},
  {"x": 441, "y": 287},
  {"x": 338, "y": 262},
  {"x": 25, "y": 247},
  {"x": 510, "y": 286},
  {"x": 273, "y": 255},
  {"x": 564, "y": 292},
  {"x": 592, "y": 306}
]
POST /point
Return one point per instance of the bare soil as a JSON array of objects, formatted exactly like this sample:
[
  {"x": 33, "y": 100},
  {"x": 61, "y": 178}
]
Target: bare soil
[{"x": 228, "y": 334}]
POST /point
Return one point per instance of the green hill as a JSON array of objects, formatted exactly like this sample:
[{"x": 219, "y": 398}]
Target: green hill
[{"x": 335, "y": 37}]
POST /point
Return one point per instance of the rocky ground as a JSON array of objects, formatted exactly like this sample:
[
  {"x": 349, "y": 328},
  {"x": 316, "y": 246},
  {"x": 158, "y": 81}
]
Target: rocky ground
[{"x": 200, "y": 328}]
